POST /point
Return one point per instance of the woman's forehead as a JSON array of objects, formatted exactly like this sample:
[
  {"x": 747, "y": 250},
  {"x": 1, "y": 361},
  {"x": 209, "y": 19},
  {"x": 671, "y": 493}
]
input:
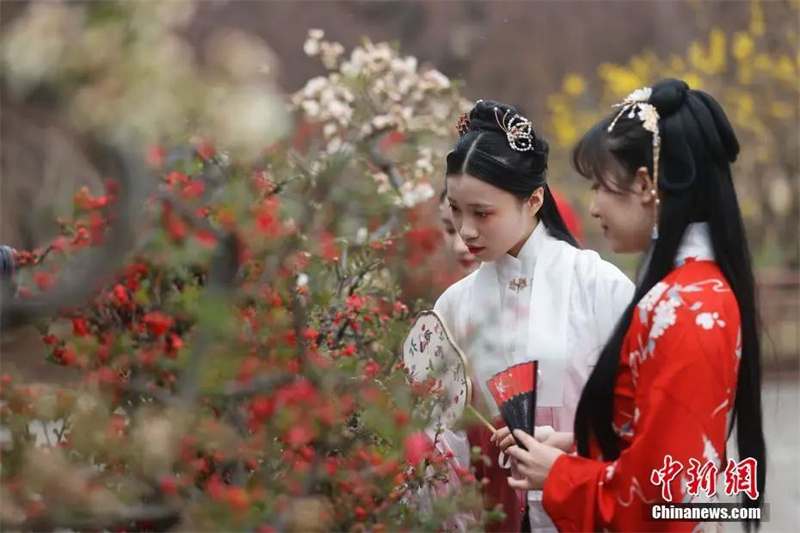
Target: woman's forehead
[{"x": 468, "y": 190}]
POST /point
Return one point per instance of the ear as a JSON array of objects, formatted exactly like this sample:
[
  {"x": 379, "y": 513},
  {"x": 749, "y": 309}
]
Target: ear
[
  {"x": 535, "y": 201},
  {"x": 644, "y": 187}
]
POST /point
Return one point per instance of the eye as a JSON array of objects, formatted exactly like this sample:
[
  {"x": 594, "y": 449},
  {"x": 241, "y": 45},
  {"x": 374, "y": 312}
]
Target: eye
[
  {"x": 481, "y": 214},
  {"x": 450, "y": 231},
  {"x": 453, "y": 208}
]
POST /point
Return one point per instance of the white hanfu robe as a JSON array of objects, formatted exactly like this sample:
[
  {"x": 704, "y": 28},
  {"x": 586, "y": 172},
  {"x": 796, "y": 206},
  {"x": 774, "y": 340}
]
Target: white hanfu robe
[{"x": 553, "y": 303}]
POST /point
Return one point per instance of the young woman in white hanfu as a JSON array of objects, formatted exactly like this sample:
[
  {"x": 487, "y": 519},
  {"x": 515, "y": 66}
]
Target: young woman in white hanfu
[{"x": 536, "y": 295}]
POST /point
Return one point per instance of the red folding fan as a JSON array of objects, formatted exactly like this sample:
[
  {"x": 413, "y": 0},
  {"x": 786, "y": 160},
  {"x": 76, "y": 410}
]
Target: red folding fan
[{"x": 514, "y": 391}]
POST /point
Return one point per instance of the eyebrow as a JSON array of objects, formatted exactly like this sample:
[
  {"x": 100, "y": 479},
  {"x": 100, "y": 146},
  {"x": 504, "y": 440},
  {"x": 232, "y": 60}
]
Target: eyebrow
[{"x": 476, "y": 204}]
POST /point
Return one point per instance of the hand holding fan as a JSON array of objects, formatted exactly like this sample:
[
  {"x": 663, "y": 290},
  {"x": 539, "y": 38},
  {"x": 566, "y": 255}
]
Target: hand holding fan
[
  {"x": 429, "y": 352},
  {"x": 514, "y": 391}
]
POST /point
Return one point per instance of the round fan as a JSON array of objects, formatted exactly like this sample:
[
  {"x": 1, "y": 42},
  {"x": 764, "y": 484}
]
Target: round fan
[{"x": 430, "y": 353}]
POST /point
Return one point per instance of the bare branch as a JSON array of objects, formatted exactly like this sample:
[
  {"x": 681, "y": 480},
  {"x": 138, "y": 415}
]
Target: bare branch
[
  {"x": 224, "y": 267},
  {"x": 387, "y": 227},
  {"x": 83, "y": 273},
  {"x": 299, "y": 322},
  {"x": 261, "y": 385},
  {"x": 187, "y": 212},
  {"x": 384, "y": 165},
  {"x": 395, "y": 178},
  {"x": 157, "y": 517}
]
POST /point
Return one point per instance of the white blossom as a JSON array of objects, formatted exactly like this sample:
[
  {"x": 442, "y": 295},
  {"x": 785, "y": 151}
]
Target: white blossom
[
  {"x": 411, "y": 194},
  {"x": 311, "y": 47}
]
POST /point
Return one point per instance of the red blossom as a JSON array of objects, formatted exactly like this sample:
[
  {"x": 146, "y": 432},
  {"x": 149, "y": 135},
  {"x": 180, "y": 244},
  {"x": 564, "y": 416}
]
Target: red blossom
[
  {"x": 262, "y": 407},
  {"x": 205, "y": 238},
  {"x": 193, "y": 190},
  {"x": 299, "y": 435},
  {"x": 349, "y": 350},
  {"x": 238, "y": 498},
  {"x": 43, "y": 280},
  {"x": 267, "y": 217},
  {"x": 174, "y": 345},
  {"x": 158, "y": 323},
  {"x": 67, "y": 356},
  {"x": 206, "y": 150},
  {"x": 168, "y": 486},
  {"x": 174, "y": 224},
  {"x": 80, "y": 327},
  {"x": 372, "y": 369},
  {"x": 401, "y": 417},
  {"x": 156, "y": 156},
  {"x": 120, "y": 295},
  {"x": 416, "y": 446}
]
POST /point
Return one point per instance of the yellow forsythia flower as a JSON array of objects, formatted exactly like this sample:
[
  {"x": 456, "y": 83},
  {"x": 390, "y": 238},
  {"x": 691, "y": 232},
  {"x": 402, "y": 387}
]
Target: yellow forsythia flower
[
  {"x": 574, "y": 85},
  {"x": 742, "y": 46}
]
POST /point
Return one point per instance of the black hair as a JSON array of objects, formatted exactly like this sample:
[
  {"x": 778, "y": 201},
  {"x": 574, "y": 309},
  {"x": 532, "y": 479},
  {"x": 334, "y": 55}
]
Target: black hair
[
  {"x": 485, "y": 153},
  {"x": 698, "y": 146}
]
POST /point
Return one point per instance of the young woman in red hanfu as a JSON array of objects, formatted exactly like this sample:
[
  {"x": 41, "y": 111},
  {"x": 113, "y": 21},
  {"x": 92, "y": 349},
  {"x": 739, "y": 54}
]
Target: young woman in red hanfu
[{"x": 682, "y": 367}]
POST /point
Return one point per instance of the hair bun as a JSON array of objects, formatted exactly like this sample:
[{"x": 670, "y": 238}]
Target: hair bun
[
  {"x": 492, "y": 116},
  {"x": 484, "y": 116},
  {"x": 668, "y": 96}
]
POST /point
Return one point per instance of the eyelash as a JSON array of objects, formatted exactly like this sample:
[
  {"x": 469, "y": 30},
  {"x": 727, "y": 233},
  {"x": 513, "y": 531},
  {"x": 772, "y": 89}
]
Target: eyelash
[{"x": 479, "y": 214}]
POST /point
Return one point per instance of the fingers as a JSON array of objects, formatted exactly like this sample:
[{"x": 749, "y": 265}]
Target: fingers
[
  {"x": 519, "y": 484},
  {"x": 525, "y": 439},
  {"x": 500, "y": 434},
  {"x": 543, "y": 433},
  {"x": 507, "y": 443},
  {"x": 518, "y": 454}
]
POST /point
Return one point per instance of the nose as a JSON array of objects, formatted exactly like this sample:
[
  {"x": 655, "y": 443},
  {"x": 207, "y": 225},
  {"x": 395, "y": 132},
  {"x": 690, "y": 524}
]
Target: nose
[
  {"x": 593, "y": 209},
  {"x": 468, "y": 232},
  {"x": 459, "y": 248}
]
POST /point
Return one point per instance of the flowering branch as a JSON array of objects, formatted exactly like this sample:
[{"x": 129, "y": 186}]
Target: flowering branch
[{"x": 82, "y": 274}]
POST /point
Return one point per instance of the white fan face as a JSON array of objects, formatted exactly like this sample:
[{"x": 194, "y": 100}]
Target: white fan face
[{"x": 429, "y": 352}]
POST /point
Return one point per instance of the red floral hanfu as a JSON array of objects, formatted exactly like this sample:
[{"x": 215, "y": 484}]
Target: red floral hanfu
[{"x": 674, "y": 391}]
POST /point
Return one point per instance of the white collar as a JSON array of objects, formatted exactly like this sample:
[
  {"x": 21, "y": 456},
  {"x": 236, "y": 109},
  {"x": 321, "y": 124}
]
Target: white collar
[
  {"x": 509, "y": 266},
  {"x": 696, "y": 244}
]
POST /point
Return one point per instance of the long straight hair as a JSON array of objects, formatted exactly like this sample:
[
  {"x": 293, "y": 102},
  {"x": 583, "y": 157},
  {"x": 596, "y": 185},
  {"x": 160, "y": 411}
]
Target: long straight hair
[{"x": 698, "y": 145}]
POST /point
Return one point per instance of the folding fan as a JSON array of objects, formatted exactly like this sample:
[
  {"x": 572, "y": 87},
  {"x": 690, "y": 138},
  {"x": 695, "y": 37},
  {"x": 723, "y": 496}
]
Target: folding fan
[{"x": 514, "y": 391}]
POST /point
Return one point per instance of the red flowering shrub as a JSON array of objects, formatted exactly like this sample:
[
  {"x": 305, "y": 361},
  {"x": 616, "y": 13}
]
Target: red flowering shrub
[
  {"x": 242, "y": 366},
  {"x": 224, "y": 396}
]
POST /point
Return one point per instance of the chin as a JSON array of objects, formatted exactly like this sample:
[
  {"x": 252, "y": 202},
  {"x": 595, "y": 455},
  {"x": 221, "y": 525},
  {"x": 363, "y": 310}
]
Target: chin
[
  {"x": 487, "y": 256},
  {"x": 625, "y": 248}
]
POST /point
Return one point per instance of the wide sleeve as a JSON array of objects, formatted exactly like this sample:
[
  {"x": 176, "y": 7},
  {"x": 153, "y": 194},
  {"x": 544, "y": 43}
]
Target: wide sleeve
[
  {"x": 445, "y": 307},
  {"x": 684, "y": 368}
]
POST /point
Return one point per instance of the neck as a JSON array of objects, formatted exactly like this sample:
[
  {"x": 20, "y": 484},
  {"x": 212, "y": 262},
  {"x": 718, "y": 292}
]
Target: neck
[{"x": 514, "y": 252}]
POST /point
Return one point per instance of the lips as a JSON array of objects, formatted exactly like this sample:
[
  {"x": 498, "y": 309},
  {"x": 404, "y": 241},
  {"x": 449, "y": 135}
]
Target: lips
[{"x": 475, "y": 250}]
